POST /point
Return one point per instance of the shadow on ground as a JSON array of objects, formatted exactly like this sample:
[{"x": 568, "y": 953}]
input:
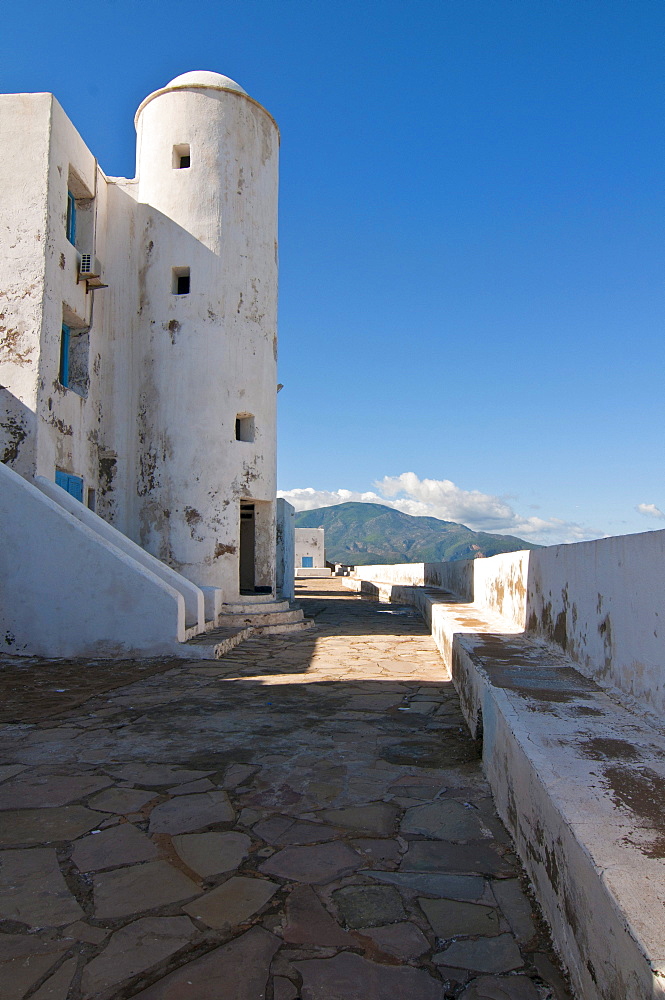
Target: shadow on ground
[{"x": 305, "y": 818}]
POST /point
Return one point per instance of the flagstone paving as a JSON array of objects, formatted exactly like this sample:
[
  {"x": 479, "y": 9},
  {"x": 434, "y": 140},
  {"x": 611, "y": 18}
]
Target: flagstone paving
[{"x": 305, "y": 819}]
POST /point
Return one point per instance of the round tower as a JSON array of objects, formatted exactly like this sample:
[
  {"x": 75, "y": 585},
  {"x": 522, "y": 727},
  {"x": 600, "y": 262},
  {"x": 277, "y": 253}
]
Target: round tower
[{"x": 207, "y": 163}]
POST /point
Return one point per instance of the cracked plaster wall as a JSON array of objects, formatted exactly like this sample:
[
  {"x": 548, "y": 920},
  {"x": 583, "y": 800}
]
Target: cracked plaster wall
[
  {"x": 46, "y": 426},
  {"x": 205, "y": 357},
  {"x": 23, "y": 232},
  {"x": 153, "y": 431},
  {"x": 602, "y": 602}
]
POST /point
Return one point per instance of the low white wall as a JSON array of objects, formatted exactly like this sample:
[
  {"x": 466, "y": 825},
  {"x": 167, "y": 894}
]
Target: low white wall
[
  {"x": 457, "y": 577},
  {"x": 192, "y": 595},
  {"x": 286, "y": 545},
  {"x": 499, "y": 583},
  {"x": 67, "y": 592},
  {"x": 408, "y": 574},
  {"x": 601, "y": 601},
  {"x": 601, "y": 891},
  {"x": 604, "y": 603}
]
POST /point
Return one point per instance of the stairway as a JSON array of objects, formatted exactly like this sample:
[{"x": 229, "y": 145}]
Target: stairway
[
  {"x": 214, "y": 643},
  {"x": 262, "y": 612},
  {"x": 253, "y": 614},
  {"x": 163, "y": 613}
]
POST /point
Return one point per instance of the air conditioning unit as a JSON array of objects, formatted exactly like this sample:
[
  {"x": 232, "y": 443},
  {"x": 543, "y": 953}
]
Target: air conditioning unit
[
  {"x": 90, "y": 271},
  {"x": 89, "y": 267}
]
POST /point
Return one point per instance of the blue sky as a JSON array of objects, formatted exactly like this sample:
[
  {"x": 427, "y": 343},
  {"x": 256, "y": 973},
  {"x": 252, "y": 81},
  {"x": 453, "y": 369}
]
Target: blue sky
[{"x": 471, "y": 235}]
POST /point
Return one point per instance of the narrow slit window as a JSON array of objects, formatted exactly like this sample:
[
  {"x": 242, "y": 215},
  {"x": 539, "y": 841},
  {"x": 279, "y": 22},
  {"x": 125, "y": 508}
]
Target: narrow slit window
[
  {"x": 71, "y": 218},
  {"x": 245, "y": 427},
  {"x": 63, "y": 375},
  {"x": 180, "y": 281},
  {"x": 182, "y": 156}
]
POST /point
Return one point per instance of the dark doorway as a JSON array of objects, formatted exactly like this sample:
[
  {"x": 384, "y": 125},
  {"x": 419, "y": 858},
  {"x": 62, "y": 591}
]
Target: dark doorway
[{"x": 247, "y": 545}]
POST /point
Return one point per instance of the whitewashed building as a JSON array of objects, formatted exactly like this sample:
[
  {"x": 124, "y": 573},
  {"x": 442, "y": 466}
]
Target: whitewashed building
[
  {"x": 138, "y": 351},
  {"x": 310, "y": 558}
]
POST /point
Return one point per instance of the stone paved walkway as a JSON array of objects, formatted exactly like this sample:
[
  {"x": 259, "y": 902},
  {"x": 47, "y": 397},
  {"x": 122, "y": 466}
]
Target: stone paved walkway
[{"x": 306, "y": 818}]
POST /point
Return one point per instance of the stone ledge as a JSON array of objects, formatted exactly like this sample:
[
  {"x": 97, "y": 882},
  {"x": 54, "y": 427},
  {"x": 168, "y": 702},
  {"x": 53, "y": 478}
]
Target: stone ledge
[{"x": 578, "y": 780}]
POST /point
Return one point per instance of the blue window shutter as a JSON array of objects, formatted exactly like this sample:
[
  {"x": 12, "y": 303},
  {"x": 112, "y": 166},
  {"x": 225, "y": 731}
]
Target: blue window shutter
[
  {"x": 308, "y": 562},
  {"x": 75, "y": 488},
  {"x": 64, "y": 356},
  {"x": 71, "y": 218},
  {"x": 72, "y": 484}
]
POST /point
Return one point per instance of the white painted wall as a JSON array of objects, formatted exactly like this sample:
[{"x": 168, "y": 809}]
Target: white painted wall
[
  {"x": 67, "y": 592},
  {"x": 154, "y": 431},
  {"x": 601, "y": 601},
  {"x": 82, "y": 434},
  {"x": 191, "y": 594},
  {"x": 456, "y": 577},
  {"x": 208, "y": 356},
  {"x": 286, "y": 544},
  {"x": 310, "y": 542},
  {"x": 23, "y": 243}
]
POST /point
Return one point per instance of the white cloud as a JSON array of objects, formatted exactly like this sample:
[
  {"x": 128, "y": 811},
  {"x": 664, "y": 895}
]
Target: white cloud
[
  {"x": 650, "y": 510},
  {"x": 441, "y": 498},
  {"x": 310, "y": 499}
]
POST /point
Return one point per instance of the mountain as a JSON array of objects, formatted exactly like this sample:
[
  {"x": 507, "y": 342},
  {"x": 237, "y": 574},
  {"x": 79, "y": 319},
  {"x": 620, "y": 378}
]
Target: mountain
[{"x": 362, "y": 534}]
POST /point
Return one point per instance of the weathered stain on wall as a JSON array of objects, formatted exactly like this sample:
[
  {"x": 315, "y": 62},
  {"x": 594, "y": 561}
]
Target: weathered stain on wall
[
  {"x": 156, "y": 378},
  {"x": 601, "y": 602},
  {"x": 13, "y": 432},
  {"x": 218, "y": 218},
  {"x": 15, "y": 346},
  {"x": 224, "y": 550}
]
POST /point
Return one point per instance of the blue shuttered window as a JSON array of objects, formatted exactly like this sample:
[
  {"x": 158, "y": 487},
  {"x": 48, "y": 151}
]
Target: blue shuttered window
[
  {"x": 308, "y": 562},
  {"x": 72, "y": 484}
]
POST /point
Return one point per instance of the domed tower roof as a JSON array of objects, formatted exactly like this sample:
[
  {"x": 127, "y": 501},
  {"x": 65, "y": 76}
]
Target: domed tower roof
[
  {"x": 198, "y": 79},
  {"x": 204, "y": 78}
]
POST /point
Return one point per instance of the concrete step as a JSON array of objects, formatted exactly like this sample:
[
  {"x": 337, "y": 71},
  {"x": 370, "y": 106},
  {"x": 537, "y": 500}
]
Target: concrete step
[
  {"x": 251, "y": 608},
  {"x": 193, "y": 631},
  {"x": 260, "y": 619},
  {"x": 299, "y": 626},
  {"x": 214, "y": 644},
  {"x": 256, "y": 598}
]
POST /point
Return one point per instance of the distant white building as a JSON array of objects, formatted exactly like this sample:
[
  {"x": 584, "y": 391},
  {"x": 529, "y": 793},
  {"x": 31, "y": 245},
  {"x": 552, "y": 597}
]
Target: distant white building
[
  {"x": 138, "y": 351},
  {"x": 310, "y": 553}
]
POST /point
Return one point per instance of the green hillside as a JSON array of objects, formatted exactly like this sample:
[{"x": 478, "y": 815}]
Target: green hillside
[{"x": 361, "y": 534}]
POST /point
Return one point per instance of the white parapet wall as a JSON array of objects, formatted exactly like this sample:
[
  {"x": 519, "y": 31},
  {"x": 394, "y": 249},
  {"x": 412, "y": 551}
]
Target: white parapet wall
[
  {"x": 558, "y": 658},
  {"x": 65, "y": 591},
  {"x": 601, "y": 602}
]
